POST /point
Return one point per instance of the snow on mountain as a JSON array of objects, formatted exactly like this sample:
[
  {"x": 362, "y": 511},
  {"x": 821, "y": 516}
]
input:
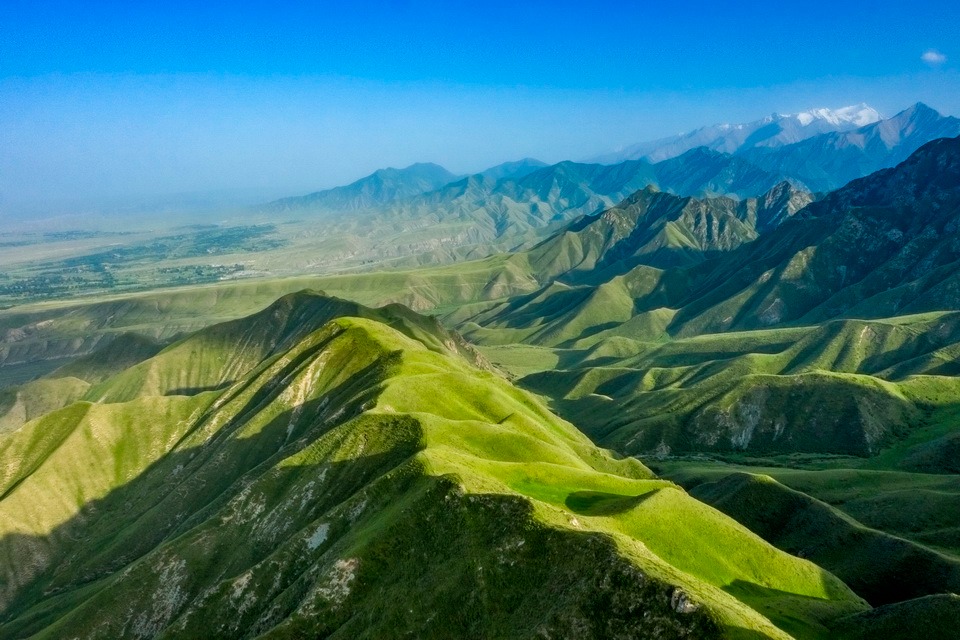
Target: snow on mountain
[
  {"x": 857, "y": 115},
  {"x": 773, "y": 131},
  {"x": 828, "y": 161}
]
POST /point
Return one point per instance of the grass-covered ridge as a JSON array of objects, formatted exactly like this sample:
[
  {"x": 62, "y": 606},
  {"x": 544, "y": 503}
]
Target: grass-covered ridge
[
  {"x": 845, "y": 387},
  {"x": 353, "y": 471}
]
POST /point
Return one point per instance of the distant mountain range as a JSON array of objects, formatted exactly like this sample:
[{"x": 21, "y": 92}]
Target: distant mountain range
[
  {"x": 820, "y": 150},
  {"x": 883, "y": 245},
  {"x": 831, "y": 160},
  {"x": 776, "y": 130},
  {"x": 425, "y": 214},
  {"x": 504, "y": 207},
  {"x": 862, "y": 284}
]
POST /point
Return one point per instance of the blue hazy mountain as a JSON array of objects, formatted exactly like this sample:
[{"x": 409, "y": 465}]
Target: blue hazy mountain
[
  {"x": 772, "y": 131},
  {"x": 379, "y": 188}
]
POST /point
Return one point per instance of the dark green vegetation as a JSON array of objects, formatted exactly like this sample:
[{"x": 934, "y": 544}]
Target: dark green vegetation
[
  {"x": 881, "y": 567},
  {"x": 892, "y": 536}
]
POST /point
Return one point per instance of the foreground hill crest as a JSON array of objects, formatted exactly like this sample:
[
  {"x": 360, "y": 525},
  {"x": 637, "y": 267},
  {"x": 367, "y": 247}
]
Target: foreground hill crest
[{"x": 313, "y": 491}]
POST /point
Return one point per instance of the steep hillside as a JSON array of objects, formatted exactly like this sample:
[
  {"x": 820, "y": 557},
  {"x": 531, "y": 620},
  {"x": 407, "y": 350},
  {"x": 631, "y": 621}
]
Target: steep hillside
[
  {"x": 22, "y": 403},
  {"x": 882, "y": 246},
  {"x": 660, "y": 230},
  {"x": 919, "y": 507},
  {"x": 892, "y": 535},
  {"x": 703, "y": 172},
  {"x": 55, "y": 390},
  {"x": 880, "y": 567},
  {"x": 927, "y": 618},
  {"x": 358, "y": 481}
]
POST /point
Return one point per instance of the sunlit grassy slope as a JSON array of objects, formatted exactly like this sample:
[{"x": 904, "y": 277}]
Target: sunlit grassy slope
[
  {"x": 891, "y": 535},
  {"x": 863, "y": 386},
  {"x": 881, "y": 567},
  {"x": 342, "y": 476},
  {"x": 920, "y": 507}
]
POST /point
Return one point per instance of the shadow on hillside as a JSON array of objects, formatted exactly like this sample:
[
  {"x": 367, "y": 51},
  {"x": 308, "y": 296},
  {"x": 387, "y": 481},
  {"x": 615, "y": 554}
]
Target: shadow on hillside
[
  {"x": 769, "y": 602},
  {"x": 598, "y": 503},
  {"x": 589, "y": 331},
  {"x": 880, "y": 567},
  {"x": 238, "y": 501},
  {"x": 192, "y": 391},
  {"x": 188, "y": 488}
]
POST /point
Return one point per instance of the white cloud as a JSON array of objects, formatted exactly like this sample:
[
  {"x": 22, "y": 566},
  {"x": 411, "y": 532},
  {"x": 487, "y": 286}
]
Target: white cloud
[{"x": 933, "y": 57}]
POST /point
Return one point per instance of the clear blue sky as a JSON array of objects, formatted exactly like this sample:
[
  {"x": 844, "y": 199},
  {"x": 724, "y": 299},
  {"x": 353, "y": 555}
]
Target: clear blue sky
[{"x": 102, "y": 100}]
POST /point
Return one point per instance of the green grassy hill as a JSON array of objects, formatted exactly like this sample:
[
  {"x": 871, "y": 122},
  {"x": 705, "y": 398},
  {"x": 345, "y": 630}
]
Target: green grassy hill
[
  {"x": 844, "y": 387},
  {"x": 880, "y": 567},
  {"x": 915, "y": 506},
  {"x": 891, "y": 535},
  {"x": 69, "y": 383},
  {"x": 363, "y": 478}
]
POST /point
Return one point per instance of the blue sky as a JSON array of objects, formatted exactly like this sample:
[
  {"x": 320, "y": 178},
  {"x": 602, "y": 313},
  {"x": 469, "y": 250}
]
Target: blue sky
[{"x": 119, "y": 100}]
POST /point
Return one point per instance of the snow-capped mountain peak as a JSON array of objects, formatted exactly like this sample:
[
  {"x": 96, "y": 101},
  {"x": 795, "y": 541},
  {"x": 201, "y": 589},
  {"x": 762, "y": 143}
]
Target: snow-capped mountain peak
[
  {"x": 858, "y": 115},
  {"x": 772, "y": 131}
]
